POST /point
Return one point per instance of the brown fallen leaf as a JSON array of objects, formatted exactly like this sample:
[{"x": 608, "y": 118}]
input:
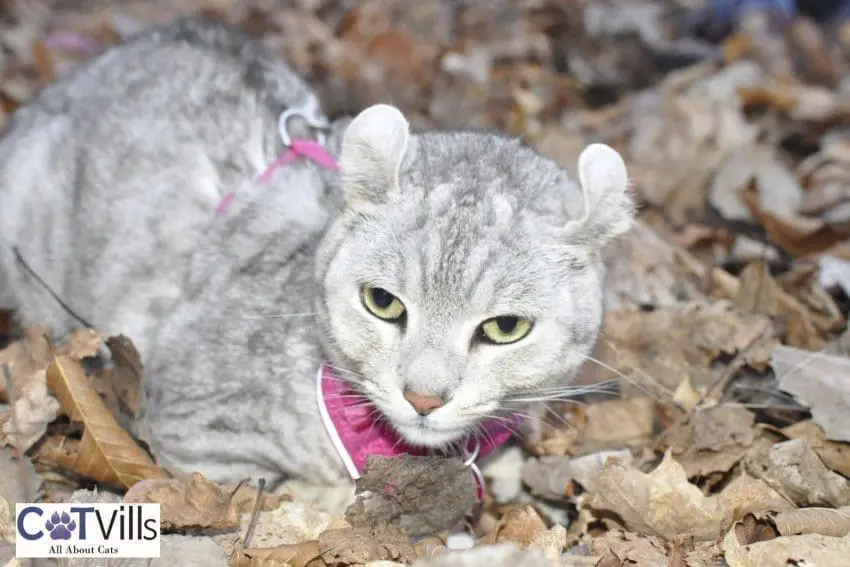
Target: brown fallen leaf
[
  {"x": 806, "y": 549},
  {"x": 83, "y": 343},
  {"x": 712, "y": 440},
  {"x": 819, "y": 381},
  {"x": 657, "y": 348},
  {"x": 245, "y": 496},
  {"x": 520, "y": 525},
  {"x": 106, "y": 452},
  {"x": 794, "y": 470},
  {"x": 759, "y": 292},
  {"x": 661, "y": 503},
  {"x": 24, "y": 358},
  {"x": 747, "y": 495},
  {"x": 127, "y": 372},
  {"x": 337, "y": 547},
  {"x": 7, "y": 523},
  {"x": 188, "y": 502},
  {"x": 618, "y": 548},
  {"x": 614, "y": 424},
  {"x": 305, "y": 554},
  {"x": 799, "y": 236},
  {"x": 835, "y": 455},
  {"x": 824, "y": 521}
]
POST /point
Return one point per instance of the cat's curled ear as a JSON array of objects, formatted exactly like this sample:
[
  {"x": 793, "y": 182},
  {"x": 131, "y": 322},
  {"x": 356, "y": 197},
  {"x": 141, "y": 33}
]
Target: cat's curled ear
[
  {"x": 375, "y": 148},
  {"x": 608, "y": 206}
]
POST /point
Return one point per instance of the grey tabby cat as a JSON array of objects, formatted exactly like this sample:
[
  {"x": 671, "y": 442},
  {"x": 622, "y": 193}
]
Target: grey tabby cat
[{"x": 444, "y": 273}]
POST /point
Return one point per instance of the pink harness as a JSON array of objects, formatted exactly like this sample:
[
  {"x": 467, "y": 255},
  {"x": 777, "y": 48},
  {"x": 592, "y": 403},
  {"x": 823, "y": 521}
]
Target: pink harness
[{"x": 352, "y": 427}]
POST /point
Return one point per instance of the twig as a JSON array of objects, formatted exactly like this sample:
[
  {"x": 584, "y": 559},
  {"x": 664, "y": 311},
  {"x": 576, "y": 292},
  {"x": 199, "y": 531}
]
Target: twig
[{"x": 249, "y": 533}]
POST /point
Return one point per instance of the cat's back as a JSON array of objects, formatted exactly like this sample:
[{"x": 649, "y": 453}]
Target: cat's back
[{"x": 111, "y": 173}]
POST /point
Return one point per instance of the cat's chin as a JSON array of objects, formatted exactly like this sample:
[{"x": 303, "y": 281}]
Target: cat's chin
[{"x": 421, "y": 435}]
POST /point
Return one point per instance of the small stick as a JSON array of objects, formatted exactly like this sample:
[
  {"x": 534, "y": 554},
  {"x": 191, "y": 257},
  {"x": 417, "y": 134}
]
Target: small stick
[{"x": 249, "y": 533}]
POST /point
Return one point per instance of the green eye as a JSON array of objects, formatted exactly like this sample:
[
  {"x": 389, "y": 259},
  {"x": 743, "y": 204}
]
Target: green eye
[
  {"x": 382, "y": 304},
  {"x": 505, "y": 329}
]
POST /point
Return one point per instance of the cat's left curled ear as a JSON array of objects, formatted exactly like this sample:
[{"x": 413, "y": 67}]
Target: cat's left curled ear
[
  {"x": 608, "y": 206},
  {"x": 375, "y": 147}
]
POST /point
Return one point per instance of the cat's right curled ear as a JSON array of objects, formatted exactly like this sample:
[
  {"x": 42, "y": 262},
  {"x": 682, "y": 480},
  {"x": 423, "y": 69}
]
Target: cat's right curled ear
[
  {"x": 375, "y": 146},
  {"x": 608, "y": 206}
]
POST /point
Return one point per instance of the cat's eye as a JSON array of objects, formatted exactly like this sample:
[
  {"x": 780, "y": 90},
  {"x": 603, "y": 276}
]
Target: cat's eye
[
  {"x": 505, "y": 329},
  {"x": 382, "y": 304}
]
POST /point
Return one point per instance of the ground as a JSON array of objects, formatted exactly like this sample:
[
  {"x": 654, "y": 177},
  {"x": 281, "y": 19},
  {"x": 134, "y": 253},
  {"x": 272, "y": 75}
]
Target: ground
[{"x": 711, "y": 426}]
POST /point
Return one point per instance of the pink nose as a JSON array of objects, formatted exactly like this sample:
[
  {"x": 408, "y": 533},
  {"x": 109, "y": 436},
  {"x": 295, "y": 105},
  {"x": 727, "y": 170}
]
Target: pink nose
[{"x": 422, "y": 403}]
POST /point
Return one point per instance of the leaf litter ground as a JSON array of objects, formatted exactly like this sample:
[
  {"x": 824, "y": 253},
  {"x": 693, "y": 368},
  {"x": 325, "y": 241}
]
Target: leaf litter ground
[{"x": 711, "y": 427}]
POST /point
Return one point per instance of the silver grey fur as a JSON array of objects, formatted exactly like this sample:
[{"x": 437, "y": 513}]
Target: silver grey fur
[{"x": 108, "y": 182}]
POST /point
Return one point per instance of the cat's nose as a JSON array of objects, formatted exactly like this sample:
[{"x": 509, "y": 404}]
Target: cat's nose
[{"x": 422, "y": 403}]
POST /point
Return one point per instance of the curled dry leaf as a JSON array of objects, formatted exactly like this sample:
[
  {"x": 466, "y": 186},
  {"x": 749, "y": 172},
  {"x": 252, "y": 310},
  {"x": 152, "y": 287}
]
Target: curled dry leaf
[
  {"x": 661, "y": 503},
  {"x": 835, "y": 455},
  {"x": 712, "y": 440},
  {"x": 7, "y": 523},
  {"x": 767, "y": 551},
  {"x": 187, "y": 502},
  {"x": 794, "y": 470},
  {"x": 347, "y": 546},
  {"x": 106, "y": 452},
  {"x": 520, "y": 525},
  {"x": 800, "y": 236},
  {"x": 623, "y": 548},
  {"x": 83, "y": 343},
  {"x": 657, "y": 348},
  {"x": 746, "y": 495},
  {"x": 824, "y": 521},
  {"x": 819, "y": 381}
]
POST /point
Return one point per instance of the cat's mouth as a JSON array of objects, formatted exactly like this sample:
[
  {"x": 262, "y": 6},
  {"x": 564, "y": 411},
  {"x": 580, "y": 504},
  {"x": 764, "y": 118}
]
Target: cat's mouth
[{"x": 424, "y": 433}]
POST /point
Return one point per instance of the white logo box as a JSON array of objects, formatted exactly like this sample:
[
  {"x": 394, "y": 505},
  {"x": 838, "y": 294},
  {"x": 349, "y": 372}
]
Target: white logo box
[{"x": 87, "y": 530}]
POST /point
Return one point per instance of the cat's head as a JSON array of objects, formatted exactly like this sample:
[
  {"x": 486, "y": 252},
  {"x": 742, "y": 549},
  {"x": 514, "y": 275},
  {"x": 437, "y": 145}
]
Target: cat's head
[{"x": 464, "y": 271}]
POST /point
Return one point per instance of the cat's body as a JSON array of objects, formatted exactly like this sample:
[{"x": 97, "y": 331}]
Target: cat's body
[{"x": 434, "y": 244}]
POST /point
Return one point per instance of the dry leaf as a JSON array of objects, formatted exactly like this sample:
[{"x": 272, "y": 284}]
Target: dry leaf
[
  {"x": 106, "y": 453},
  {"x": 127, "y": 372},
  {"x": 819, "y": 381},
  {"x": 25, "y": 422},
  {"x": 348, "y": 546},
  {"x": 187, "y": 502},
  {"x": 795, "y": 471},
  {"x": 25, "y": 358},
  {"x": 807, "y": 549},
  {"x": 823, "y": 521},
  {"x": 661, "y": 503},
  {"x": 520, "y": 525},
  {"x": 551, "y": 477},
  {"x": 656, "y": 349},
  {"x": 799, "y": 236},
  {"x": 83, "y": 343},
  {"x": 619, "y": 548},
  {"x": 746, "y": 495},
  {"x": 613, "y": 424},
  {"x": 712, "y": 440},
  {"x": 7, "y": 522},
  {"x": 835, "y": 455}
]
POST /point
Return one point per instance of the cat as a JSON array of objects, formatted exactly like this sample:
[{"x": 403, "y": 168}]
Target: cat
[{"x": 446, "y": 275}]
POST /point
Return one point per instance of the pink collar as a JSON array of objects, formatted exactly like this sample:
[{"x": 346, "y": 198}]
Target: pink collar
[
  {"x": 309, "y": 149},
  {"x": 355, "y": 434}
]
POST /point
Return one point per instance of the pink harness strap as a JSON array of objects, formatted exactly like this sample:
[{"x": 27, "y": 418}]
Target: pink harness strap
[
  {"x": 308, "y": 149},
  {"x": 355, "y": 434}
]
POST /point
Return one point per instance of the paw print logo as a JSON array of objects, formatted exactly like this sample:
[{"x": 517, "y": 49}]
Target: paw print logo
[{"x": 60, "y": 526}]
